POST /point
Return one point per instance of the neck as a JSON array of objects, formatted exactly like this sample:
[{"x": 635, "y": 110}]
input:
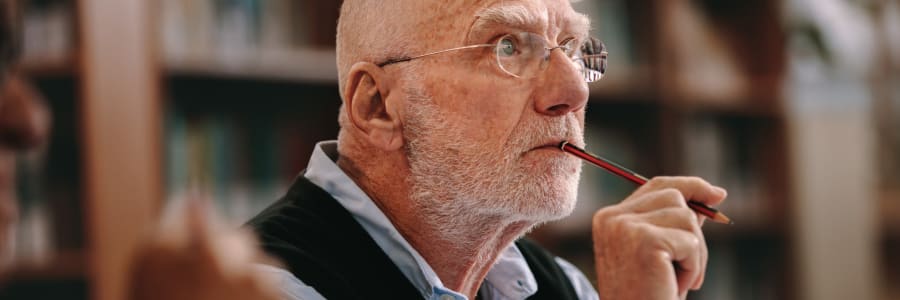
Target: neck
[
  {"x": 462, "y": 260},
  {"x": 461, "y": 252}
]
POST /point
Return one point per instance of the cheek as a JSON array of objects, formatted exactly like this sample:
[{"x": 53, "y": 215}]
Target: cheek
[{"x": 484, "y": 111}]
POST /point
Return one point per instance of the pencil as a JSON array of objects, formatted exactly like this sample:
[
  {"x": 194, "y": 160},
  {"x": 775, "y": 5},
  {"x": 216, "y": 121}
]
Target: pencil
[{"x": 711, "y": 213}]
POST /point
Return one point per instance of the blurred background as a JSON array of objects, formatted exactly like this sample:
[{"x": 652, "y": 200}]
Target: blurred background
[{"x": 792, "y": 105}]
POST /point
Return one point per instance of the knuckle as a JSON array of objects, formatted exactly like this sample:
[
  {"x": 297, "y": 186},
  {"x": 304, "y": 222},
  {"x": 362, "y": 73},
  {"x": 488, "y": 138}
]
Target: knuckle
[
  {"x": 601, "y": 216},
  {"x": 694, "y": 180},
  {"x": 607, "y": 219},
  {"x": 619, "y": 224},
  {"x": 688, "y": 216},
  {"x": 646, "y": 237},
  {"x": 672, "y": 197},
  {"x": 694, "y": 242},
  {"x": 658, "y": 181}
]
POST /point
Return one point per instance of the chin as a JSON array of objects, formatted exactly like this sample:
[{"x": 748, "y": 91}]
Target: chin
[{"x": 552, "y": 194}]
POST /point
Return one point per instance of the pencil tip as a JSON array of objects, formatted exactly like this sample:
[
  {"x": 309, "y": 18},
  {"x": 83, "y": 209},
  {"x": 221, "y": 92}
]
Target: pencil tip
[{"x": 722, "y": 218}]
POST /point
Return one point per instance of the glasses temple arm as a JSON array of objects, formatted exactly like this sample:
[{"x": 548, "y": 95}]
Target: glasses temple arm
[{"x": 405, "y": 59}]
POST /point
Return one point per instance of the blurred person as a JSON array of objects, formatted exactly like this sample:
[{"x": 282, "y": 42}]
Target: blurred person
[
  {"x": 24, "y": 125},
  {"x": 448, "y": 154},
  {"x": 191, "y": 256}
]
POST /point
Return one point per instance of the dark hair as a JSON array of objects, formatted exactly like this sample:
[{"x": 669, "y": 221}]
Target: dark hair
[{"x": 10, "y": 35}]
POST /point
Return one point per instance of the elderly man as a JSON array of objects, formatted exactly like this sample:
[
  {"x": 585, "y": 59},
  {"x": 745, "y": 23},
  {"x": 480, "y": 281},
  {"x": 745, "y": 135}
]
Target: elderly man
[{"x": 447, "y": 155}]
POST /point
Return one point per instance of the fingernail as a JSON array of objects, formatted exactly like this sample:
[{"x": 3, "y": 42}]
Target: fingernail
[{"x": 721, "y": 191}]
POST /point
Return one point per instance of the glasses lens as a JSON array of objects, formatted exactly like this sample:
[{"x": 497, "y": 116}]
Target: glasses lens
[
  {"x": 593, "y": 60},
  {"x": 520, "y": 54},
  {"x": 526, "y": 54}
]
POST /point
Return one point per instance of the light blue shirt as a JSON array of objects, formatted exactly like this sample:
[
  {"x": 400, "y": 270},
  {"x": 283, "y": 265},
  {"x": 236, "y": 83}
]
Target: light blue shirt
[{"x": 510, "y": 278}]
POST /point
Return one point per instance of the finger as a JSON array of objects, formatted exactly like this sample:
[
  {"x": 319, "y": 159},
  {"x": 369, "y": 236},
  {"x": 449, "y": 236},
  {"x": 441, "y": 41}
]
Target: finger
[
  {"x": 693, "y": 188},
  {"x": 655, "y": 200},
  {"x": 683, "y": 249},
  {"x": 203, "y": 239},
  {"x": 238, "y": 250},
  {"x": 672, "y": 217},
  {"x": 684, "y": 219},
  {"x": 198, "y": 222}
]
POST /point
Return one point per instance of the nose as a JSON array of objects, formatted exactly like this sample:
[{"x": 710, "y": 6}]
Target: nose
[
  {"x": 561, "y": 89},
  {"x": 24, "y": 120}
]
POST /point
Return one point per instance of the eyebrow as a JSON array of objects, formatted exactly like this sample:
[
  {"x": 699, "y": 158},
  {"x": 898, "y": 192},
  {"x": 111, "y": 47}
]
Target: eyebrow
[
  {"x": 520, "y": 16},
  {"x": 511, "y": 15}
]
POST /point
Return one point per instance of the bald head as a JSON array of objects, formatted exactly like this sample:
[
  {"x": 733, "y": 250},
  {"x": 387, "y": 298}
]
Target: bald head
[{"x": 376, "y": 30}]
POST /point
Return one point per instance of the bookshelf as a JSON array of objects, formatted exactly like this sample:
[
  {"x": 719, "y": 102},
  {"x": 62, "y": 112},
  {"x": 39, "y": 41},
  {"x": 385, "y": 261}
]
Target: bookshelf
[
  {"x": 228, "y": 97},
  {"x": 297, "y": 65},
  {"x": 885, "y": 84},
  {"x": 49, "y": 240},
  {"x": 89, "y": 59},
  {"x": 886, "y": 112},
  {"x": 245, "y": 107}
]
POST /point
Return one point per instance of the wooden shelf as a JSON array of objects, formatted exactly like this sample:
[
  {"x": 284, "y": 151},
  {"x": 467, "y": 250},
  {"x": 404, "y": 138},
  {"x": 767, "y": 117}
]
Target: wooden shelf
[
  {"x": 302, "y": 66},
  {"x": 732, "y": 109},
  {"x": 628, "y": 84},
  {"x": 63, "y": 265},
  {"x": 56, "y": 66}
]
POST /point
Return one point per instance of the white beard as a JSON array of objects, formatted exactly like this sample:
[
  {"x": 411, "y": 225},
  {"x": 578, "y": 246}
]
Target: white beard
[{"x": 458, "y": 183}]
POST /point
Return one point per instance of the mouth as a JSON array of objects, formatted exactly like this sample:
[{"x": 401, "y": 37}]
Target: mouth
[{"x": 553, "y": 144}]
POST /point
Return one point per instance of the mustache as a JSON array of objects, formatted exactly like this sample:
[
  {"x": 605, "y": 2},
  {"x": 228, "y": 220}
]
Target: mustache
[{"x": 547, "y": 131}]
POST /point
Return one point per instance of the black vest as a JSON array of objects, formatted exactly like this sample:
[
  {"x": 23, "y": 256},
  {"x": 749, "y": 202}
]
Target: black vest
[{"x": 322, "y": 244}]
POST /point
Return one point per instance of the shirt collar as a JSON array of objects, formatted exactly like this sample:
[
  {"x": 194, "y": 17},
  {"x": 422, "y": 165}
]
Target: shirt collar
[{"x": 509, "y": 278}]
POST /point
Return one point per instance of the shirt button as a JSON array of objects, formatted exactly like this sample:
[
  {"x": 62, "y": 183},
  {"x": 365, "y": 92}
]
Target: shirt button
[{"x": 447, "y": 297}]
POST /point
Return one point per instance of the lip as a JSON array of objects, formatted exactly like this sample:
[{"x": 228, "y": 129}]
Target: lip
[{"x": 553, "y": 144}]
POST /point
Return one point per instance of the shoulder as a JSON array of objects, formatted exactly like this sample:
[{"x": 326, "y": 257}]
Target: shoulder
[
  {"x": 555, "y": 271},
  {"x": 583, "y": 287},
  {"x": 291, "y": 287}
]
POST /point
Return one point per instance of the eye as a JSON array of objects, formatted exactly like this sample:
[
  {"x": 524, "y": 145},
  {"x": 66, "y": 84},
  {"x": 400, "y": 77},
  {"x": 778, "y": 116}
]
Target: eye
[
  {"x": 506, "y": 46},
  {"x": 571, "y": 46}
]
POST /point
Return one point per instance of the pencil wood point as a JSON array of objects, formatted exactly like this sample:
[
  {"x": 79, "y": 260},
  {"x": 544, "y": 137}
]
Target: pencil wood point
[{"x": 722, "y": 218}]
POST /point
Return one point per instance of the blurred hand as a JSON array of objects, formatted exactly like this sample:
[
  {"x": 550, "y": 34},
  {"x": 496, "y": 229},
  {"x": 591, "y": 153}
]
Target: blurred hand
[
  {"x": 650, "y": 245},
  {"x": 24, "y": 117},
  {"x": 193, "y": 257}
]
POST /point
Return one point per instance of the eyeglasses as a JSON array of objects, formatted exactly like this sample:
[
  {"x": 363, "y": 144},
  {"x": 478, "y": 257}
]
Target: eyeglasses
[{"x": 525, "y": 55}]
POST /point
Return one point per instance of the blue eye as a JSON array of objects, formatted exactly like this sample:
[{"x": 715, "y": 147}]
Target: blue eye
[{"x": 506, "y": 47}]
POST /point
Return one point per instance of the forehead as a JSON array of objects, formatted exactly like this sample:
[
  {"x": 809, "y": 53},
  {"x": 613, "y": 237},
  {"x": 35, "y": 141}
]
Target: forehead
[{"x": 542, "y": 16}]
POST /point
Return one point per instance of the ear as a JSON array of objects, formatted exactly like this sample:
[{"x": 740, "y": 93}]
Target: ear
[{"x": 370, "y": 108}]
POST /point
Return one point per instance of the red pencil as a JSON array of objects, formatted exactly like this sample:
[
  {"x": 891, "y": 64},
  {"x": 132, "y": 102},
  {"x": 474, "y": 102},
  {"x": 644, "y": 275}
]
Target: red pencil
[{"x": 711, "y": 213}]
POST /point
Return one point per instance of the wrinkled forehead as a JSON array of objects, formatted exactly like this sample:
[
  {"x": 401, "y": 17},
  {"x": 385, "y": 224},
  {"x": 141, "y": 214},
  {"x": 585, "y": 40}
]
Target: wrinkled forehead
[{"x": 454, "y": 20}]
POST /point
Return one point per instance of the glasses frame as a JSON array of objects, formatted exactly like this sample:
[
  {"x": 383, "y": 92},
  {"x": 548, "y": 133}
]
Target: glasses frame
[{"x": 603, "y": 55}]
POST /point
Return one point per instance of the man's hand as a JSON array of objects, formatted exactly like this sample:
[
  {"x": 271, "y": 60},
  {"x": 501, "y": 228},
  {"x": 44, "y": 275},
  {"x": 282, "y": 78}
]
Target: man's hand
[
  {"x": 650, "y": 246},
  {"x": 192, "y": 257}
]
